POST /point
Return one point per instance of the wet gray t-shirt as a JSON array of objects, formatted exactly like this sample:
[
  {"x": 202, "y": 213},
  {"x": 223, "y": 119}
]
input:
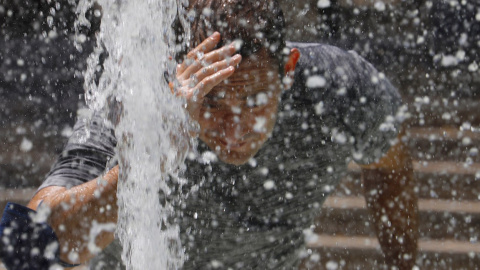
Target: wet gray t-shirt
[{"x": 252, "y": 216}]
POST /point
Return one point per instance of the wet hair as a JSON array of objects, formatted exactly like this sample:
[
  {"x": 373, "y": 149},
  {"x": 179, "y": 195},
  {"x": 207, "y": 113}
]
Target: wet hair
[{"x": 258, "y": 24}]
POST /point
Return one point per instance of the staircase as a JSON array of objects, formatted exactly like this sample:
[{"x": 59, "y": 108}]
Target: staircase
[{"x": 447, "y": 170}]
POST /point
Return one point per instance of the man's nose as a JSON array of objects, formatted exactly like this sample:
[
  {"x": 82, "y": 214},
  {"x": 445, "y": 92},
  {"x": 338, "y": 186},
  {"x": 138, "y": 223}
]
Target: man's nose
[{"x": 236, "y": 126}]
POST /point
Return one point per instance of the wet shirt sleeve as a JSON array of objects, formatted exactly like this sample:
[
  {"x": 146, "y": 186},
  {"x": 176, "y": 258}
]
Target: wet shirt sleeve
[
  {"x": 354, "y": 105},
  {"x": 88, "y": 153}
]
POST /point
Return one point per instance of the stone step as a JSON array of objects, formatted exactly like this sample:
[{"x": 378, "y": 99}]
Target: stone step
[
  {"x": 447, "y": 143},
  {"x": 443, "y": 180},
  {"x": 357, "y": 252},
  {"x": 362, "y": 242},
  {"x": 438, "y": 219},
  {"x": 346, "y": 252},
  {"x": 467, "y": 207},
  {"x": 427, "y": 111}
]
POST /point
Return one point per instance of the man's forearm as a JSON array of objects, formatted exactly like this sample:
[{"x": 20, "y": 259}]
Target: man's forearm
[
  {"x": 389, "y": 192},
  {"x": 75, "y": 211}
]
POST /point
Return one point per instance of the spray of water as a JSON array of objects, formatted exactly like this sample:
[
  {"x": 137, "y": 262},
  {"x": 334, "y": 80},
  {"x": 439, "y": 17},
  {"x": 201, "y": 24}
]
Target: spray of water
[{"x": 151, "y": 124}]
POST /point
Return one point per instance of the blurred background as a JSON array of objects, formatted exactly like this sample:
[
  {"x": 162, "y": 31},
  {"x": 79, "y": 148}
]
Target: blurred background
[{"x": 428, "y": 49}]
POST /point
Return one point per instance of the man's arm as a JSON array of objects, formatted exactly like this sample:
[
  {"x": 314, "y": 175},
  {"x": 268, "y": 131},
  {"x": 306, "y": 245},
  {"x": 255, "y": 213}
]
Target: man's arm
[
  {"x": 73, "y": 212},
  {"x": 389, "y": 191},
  {"x": 357, "y": 101}
]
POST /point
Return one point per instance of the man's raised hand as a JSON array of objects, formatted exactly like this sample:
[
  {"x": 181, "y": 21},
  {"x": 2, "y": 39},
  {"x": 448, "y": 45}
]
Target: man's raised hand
[{"x": 203, "y": 69}]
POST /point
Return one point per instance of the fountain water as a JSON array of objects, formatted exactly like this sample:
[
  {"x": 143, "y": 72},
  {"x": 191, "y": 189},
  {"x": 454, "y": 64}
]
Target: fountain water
[{"x": 151, "y": 127}]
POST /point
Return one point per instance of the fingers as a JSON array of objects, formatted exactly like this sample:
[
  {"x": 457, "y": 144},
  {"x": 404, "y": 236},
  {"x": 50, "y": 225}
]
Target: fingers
[
  {"x": 206, "y": 46},
  {"x": 211, "y": 76},
  {"x": 207, "y": 84},
  {"x": 207, "y": 60},
  {"x": 211, "y": 69},
  {"x": 211, "y": 81},
  {"x": 204, "y": 69}
]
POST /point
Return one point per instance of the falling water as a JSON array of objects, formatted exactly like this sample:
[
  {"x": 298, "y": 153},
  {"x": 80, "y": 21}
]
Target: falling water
[{"x": 151, "y": 127}]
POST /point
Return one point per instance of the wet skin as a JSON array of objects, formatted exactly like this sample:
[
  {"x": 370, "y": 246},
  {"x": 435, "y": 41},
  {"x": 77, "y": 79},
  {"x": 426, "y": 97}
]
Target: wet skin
[{"x": 234, "y": 100}]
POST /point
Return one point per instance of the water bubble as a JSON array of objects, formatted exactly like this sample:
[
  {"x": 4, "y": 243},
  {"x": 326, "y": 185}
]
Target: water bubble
[
  {"x": 207, "y": 12},
  {"x": 341, "y": 91},
  {"x": 331, "y": 265},
  {"x": 236, "y": 110},
  {"x": 339, "y": 137},
  {"x": 216, "y": 264},
  {"x": 466, "y": 141},
  {"x": 473, "y": 67},
  {"x": 264, "y": 171},
  {"x": 209, "y": 157},
  {"x": 316, "y": 81},
  {"x": 52, "y": 34},
  {"x": 259, "y": 125},
  {"x": 26, "y": 145},
  {"x": 50, "y": 21},
  {"x": 315, "y": 257},
  {"x": 20, "y": 130},
  {"x": 449, "y": 60},
  {"x": 81, "y": 38},
  {"x": 252, "y": 162},
  {"x": 380, "y": 6},
  {"x": 261, "y": 99},
  {"x": 269, "y": 184},
  {"x": 73, "y": 256},
  {"x": 319, "y": 108},
  {"x": 323, "y": 3}
]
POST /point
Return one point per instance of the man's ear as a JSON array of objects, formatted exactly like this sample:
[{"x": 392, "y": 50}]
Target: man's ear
[{"x": 290, "y": 68}]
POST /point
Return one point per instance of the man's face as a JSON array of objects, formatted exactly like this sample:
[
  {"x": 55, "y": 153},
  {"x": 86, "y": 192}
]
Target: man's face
[{"x": 239, "y": 114}]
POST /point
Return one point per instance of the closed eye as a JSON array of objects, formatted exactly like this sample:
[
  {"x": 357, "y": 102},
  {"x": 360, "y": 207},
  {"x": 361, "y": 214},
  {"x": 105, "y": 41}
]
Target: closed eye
[{"x": 210, "y": 103}]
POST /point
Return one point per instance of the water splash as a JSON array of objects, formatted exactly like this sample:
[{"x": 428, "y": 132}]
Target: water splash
[{"x": 151, "y": 124}]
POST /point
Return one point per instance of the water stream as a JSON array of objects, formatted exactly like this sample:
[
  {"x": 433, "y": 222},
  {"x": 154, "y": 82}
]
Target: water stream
[{"x": 152, "y": 140}]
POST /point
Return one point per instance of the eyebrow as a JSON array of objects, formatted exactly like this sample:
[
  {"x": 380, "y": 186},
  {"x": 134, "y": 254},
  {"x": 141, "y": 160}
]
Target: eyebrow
[
  {"x": 242, "y": 94},
  {"x": 240, "y": 83},
  {"x": 255, "y": 92}
]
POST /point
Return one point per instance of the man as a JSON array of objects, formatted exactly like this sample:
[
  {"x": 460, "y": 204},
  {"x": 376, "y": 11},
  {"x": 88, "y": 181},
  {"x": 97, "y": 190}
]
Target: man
[{"x": 271, "y": 179}]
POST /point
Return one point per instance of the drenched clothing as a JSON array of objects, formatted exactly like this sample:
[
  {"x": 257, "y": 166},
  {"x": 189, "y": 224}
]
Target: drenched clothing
[{"x": 252, "y": 216}]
